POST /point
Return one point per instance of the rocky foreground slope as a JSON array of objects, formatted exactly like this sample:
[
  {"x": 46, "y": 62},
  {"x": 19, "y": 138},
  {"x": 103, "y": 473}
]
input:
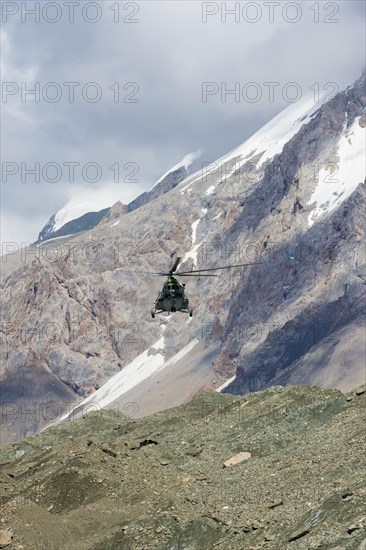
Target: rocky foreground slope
[{"x": 108, "y": 482}]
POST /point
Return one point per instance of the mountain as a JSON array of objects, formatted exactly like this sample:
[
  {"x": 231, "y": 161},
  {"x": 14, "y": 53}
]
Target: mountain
[
  {"x": 82, "y": 223},
  {"x": 316, "y": 262},
  {"x": 278, "y": 469},
  {"x": 75, "y": 216},
  {"x": 76, "y": 324}
]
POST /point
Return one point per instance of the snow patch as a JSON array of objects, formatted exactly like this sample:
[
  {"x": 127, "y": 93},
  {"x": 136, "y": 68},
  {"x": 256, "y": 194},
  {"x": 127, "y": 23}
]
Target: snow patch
[
  {"x": 210, "y": 190},
  {"x": 115, "y": 223},
  {"x": 142, "y": 367},
  {"x": 193, "y": 252},
  {"x": 226, "y": 383},
  {"x": 164, "y": 322},
  {"x": 178, "y": 356},
  {"x": 54, "y": 239},
  {"x": 337, "y": 183},
  {"x": 194, "y": 230}
]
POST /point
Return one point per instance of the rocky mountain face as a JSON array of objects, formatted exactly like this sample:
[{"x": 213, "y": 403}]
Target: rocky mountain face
[
  {"x": 278, "y": 469},
  {"x": 91, "y": 219},
  {"x": 75, "y": 313},
  {"x": 316, "y": 272}
]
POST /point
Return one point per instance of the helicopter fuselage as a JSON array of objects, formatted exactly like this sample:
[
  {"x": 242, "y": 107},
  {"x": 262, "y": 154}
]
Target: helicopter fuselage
[{"x": 172, "y": 298}]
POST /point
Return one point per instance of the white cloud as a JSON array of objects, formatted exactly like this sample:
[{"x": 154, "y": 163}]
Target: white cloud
[{"x": 168, "y": 54}]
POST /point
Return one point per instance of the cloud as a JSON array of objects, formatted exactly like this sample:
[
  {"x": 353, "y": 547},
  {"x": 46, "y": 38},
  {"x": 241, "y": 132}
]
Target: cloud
[{"x": 162, "y": 62}]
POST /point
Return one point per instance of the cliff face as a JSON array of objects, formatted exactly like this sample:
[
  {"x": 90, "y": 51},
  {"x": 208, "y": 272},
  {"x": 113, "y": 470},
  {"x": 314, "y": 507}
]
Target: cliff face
[
  {"x": 308, "y": 293},
  {"x": 291, "y": 199}
]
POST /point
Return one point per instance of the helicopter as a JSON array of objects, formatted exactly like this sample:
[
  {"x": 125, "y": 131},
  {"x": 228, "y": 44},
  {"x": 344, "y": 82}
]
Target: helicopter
[{"x": 173, "y": 298}]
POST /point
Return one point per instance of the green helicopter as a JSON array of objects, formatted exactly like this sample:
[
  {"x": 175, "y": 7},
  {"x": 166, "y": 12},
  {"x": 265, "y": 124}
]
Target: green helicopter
[{"x": 172, "y": 297}]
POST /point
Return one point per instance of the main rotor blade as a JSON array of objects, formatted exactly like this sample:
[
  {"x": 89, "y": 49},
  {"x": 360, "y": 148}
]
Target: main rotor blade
[
  {"x": 154, "y": 273},
  {"x": 175, "y": 265},
  {"x": 196, "y": 275},
  {"x": 216, "y": 268}
]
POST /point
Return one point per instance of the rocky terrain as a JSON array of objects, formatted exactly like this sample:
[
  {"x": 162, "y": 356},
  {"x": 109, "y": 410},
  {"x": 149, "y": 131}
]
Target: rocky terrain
[
  {"x": 278, "y": 469},
  {"x": 315, "y": 271},
  {"x": 75, "y": 311}
]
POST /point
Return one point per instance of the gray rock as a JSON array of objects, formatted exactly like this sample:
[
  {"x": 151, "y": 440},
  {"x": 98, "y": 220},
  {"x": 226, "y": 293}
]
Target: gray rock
[{"x": 299, "y": 534}]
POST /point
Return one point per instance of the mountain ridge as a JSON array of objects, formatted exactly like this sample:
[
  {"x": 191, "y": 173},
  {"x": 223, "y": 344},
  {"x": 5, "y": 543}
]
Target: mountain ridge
[
  {"x": 76, "y": 311},
  {"x": 91, "y": 219}
]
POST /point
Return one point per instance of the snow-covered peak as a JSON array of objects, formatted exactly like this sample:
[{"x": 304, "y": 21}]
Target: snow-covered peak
[
  {"x": 86, "y": 201},
  {"x": 272, "y": 137},
  {"x": 268, "y": 140},
  {"x": 184, "y": 163}
]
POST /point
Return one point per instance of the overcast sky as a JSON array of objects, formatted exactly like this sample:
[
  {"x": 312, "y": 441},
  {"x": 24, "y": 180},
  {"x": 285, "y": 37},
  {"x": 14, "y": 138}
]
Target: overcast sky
[{"x": 139, "y": 71}]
